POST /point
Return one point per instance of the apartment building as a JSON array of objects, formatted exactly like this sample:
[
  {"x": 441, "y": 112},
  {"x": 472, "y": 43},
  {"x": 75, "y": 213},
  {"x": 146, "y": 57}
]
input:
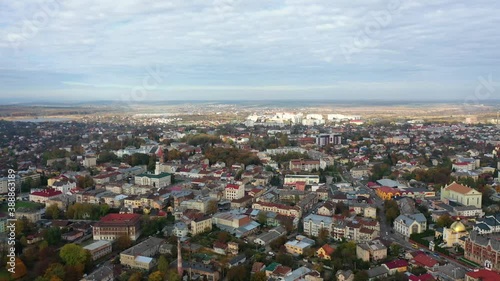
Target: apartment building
[{"x": 113, "y": 226}]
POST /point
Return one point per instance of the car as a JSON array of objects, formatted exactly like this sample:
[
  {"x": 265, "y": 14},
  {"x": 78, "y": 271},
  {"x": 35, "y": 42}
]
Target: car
[{"x": 271, "y": 254}]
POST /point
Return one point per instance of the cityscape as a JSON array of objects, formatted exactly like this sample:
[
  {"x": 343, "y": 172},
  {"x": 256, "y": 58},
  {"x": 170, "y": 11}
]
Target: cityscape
[{"x": 231, "y": 140}]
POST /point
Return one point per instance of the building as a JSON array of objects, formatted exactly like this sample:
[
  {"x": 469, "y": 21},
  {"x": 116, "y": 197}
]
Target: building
[
  {"x": 89, "y": 162},
  {"x": 99, "y": 249},
  {"x": 154, "y": 180},
  {"x": 347, "y": 275},
  {"x": 30, "y": 214},
  {"x": 234, "y": 192},
  {"x": 359, "y": 172},
  {"x": 141, "y": 255},
  {"x": 180, "y": 229},
  {"x": 371, "y": 251},
  {"x": 285, "y": 210},
  {"x": 201, "y": 225},
  {"x": 396, "y": 266},
  {"x": 452, "y": 235},
  {"x": 483, "y": 250},
  {"x": 4, "y": 184},
  {"x": 44, "y": 195},
  {"x": 308, "y": 179},
  {"x": 104, "y": 273},
  {"x": 482, "y": 275},
  {"x": 313, "y": 224},
  {"x": 113, "y": 226},
  {"x": 326, "y": 139},
  {"x": 488, "y": 225},
  {"x": 377, "y": 273},
  {"x": 461, "y": 194},
  {"x": 387, "y": 193},
  {"x": 297, "y": 247},
  {"x": 298, "y": 165},
  {"x": 407, "y": 225},
  {"x": 325, "y": 252},
  {"x": 267, "y": 237}
]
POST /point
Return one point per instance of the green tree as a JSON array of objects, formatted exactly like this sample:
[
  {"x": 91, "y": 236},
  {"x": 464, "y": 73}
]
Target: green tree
[
  {"x": 361, "y": 276},
  {"x": 213, "y": 207},
  {"x": 172, "y": 275},
  {"x": 163, "y": 264},
  {"x": 123, "y": 242},
  {"x": 262, "y": 218},
  {"x": 53, "y": 235},
  {"x": 323, "y": 236},
  {"x": 52, "y": 211},
  {"x": 238, "y": 273},
  {"x": 55, "y": 270},
  {"x": 444, "y": 221},
  {"x": 136, "y": 276},
  {"x": 73, "y": 255}
]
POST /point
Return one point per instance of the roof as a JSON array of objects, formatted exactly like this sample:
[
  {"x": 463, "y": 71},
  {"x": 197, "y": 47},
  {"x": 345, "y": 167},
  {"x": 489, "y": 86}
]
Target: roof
[
  {"x": 161, "y": 175},
  {"x": 423, "y": 277},
  {"x": 396, "y": 264},
  {"x": 484, "y": 275},
  {"x": 282, "y": 270},
  {"x": 120, "y": 218},
  {"x": 377, "y": 271},
  {"x": 328, "y": 249},
  {"x": 49, "y": 192},
  {"x": 456, "y": 187},
  {"x": 272, "y": 266},
  {"x": 425, "y": 260},
  {"x": 257, "y": 267},
  {"x": 96, "y": 245},
  {"x": 143, "y": 259}
]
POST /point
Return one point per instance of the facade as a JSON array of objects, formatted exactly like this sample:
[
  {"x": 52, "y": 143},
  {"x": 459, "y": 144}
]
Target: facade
[
  {"x": 325, "y": 252},
  {"x": 483, "y": 250},
  {"x": 201, "y": 225},
  {"x": 156, "y": 180},
  {"x": 387, "y": 193},
  {"x": 44, "y": 195},
  {"x": 314, "y": 223},
  {"x": 99, "y": 249},
  {"x": 113, "y": 226},
  {"x": 298, "y": 165},
  {"x": 281, "y": 209},
  {"x": 488, "y": 225},
  {"x": 104, "y": 273},
  {"x": 308, "y": 179},
  {"x": 297, "y": 247},
  {"x": 141, "y": 255},
  {"x": 407, "y": 225},
  {"x": 234, "y": 192},
  {"x": 326, "y": 139},
  {"x": 461, "y": 194},
  {"x": 452, "y": 235},
  {"x": 482, "y": 275},
  {"x": 31, "y": 215},
  {"x": 371, "y": 251}
]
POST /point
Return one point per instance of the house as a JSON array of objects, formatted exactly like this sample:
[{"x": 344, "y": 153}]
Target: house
[
  {"x": 281, "y": 271},
  {"x": 234, "y": 192},
  {"x": 423, "y": 277},
  {"x": 371, "y": 251},
  {"x": 450, "y": 272},
  {"x": 325, "y": 252},
  {"x": 258, "y": 267},
  {"x": 328, "y": 209},
  {"x": 347, "y": 275},
  {"x": 267, "y": 237},
  {"x": 43, "y": 195},
  {"x": 396, "y": 266},
  {"x": 297, "y": 247},
  {"x": 482, "y": 275},
  {"x": 313, "y": 224},
  {"x": 104, "y": 273},
  {"x": 220, "y": 248},
  {"x": 425, "y": 261},
  {"x": 72, "y": 235},
  {"x": 406, "y": 225},
  {"x": 238, "y": 260},
  {"x": 461, "y": 194},
  {"x": 99, "y": 249},
  {"x": 141, "y": 255},
  {"x": 377, "y": 273}
]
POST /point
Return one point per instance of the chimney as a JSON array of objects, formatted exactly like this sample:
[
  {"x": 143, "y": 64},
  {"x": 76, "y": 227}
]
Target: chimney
[{"x": 179, "y": 257}]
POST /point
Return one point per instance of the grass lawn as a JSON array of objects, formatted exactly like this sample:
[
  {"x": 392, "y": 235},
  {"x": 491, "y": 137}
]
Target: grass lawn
[{"x": 28, "y": 205}]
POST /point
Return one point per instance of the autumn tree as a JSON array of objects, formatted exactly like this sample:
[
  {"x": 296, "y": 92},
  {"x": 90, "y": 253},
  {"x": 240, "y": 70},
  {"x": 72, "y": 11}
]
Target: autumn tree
[
  {"x": 136, "y": 276},
  {"x": 361, "y": 276},
  {"x": 444, "y": 221},
  {"x": 163, "y": 264},
  {"x": 259, "y": 276},
  {"x": 172, "y": 275},
  {"x": 20, "y": 269},
  {"x": 123, "y": 242},
  {"x": 156, "y": 276},
  {"x": 323, "y": 236},
  {"x": 73, "y": 254},
  {"x": 53, "y": 211},
  {"x": 238, "y": 273},
  {"x": 213, "y": 207},
  {"x": 55, "y": 270}
]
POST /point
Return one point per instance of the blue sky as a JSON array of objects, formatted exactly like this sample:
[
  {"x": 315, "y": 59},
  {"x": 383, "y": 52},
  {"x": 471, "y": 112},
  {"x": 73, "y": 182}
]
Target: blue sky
[{"x": 68, "y": 50}]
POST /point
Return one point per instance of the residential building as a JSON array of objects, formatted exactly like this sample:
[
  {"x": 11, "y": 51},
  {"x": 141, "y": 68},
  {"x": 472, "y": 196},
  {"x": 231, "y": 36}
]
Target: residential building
[
  {"x": 371, "y": 251},
  {"x": 113, "y": 226},
  {"x": 308, "y": 179},
  {"x": 325, "y": 252},
  {"x": 313, "y": 224},
  {"x": 377, "y": 273},
  {"x": 154, "y": 180},
  {"x": 43, "y": 195},
  {"x": 201, "y": 225},
  {"x": 298, "y": 165},
  {"x": 483, "y": 250},
  {"x": 281, "y": 209},
  {"x": 267, "y": 237},
  {"x": 30, "y": 214},
  {"x": 482, "y": 275},
  {"x": 346, "y": 275},
  {"x": 99, "y": 249},
  {"x": 488, "y": 225},
  {"x": 141, "y": 255},
  {"x": 387, "y": 193},
  {"x": 234, "y": 192},
  {"x": 461, "y": 194},
  {"x": 297, "y": 247},
  {"x": 407, "y": 225},
  {"x": 396, "y": 266},
  {"x": 104, "y": 273},
  {"x": 326, "y": 139}
]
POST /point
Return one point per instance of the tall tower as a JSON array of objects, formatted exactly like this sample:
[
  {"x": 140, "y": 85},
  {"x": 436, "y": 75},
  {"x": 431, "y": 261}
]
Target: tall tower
[{"x": 179, "y": 257}]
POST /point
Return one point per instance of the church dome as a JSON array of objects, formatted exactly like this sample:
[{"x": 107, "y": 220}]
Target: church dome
[{"x": 458, "y": 226}]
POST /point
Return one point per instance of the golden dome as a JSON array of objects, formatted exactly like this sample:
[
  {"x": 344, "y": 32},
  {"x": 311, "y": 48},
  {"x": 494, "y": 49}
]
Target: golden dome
[{"x": 458, "y": 226}]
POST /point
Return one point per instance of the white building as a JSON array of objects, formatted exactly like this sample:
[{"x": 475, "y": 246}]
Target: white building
[
  {"x": 407, "y": 225},
  {"x": 234, "y": 192}
]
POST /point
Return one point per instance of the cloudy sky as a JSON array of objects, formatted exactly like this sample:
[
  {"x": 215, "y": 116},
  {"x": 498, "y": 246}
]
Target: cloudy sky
[{"x": 69, "y": 50}]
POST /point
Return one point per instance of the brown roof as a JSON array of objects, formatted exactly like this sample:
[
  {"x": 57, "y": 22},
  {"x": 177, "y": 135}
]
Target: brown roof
[
  {"x": 459, "y": 188},
  {"x": 257, "y": 267}
]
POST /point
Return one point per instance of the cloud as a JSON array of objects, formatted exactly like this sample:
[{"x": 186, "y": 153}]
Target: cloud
[{"x": 244, "y": 46}]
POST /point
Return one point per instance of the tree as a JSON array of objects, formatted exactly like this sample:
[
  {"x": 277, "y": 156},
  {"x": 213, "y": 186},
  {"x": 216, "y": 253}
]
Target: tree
[
  {"x": 163, "y": 264},
  {"x": 84, "y": 182},
  {"x": 223, "y": 237},
  {"x": 52, "y": 235},
  {"x": 262, "y": 218},
  {"x": 238, "y": 273},
  {"x": 259, "y": 276},
  {"x": 52, "y": 211},
  {"x": 213, "y": 207},
  {"x": 73, "y": 255},
  {"x": 361, "y": 276},
  {"x": 172, "y": 275},
  {"x": 136, "y": 276},
  {"x": 444, "y": 221},
  {"x": 323, "y": 236},
  {"x": 156, "y": 276},
  {"x": 55, "y": 270},
  {"x": 123, "y": 242}
]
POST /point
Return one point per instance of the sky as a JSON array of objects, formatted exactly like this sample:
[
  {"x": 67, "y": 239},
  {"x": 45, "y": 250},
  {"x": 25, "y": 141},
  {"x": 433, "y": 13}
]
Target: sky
[{"x": 142, "y": 50}]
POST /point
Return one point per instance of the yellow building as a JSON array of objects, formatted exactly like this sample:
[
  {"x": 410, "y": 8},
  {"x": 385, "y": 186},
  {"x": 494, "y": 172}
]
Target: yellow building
[
  {"x": 387, "y": 193},
  {"x": 201, "y": 225},
  {"x": 461, "y": 194}
]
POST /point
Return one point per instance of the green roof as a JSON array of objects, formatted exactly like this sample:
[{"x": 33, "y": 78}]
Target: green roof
[
  {"x": 161, "y": 175},
  {"x": 272, "y": 266}
]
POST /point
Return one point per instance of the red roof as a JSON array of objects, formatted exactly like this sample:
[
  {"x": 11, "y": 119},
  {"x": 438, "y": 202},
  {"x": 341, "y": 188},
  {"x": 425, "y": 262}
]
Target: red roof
[
  {"x": 49, "y": 192},
  {"x": 233, "y": 186},
  {"x": 484, "y": 275},
  {"x": 120, "y": 218},
  {"x": 328, "y": 249},
  {"x": 425, "y": 260},
  {"x": 397, "y": 264}
]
